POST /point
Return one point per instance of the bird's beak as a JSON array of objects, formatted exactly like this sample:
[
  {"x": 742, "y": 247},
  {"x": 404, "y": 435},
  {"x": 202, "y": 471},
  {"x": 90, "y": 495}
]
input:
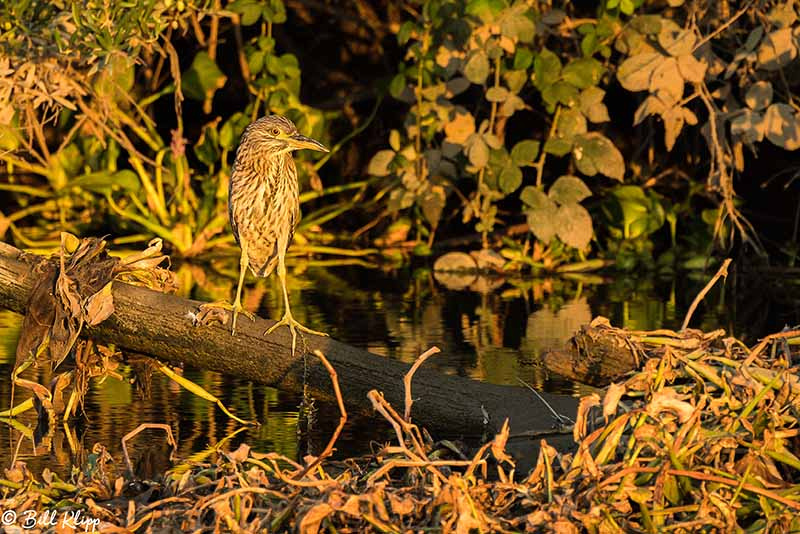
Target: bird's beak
[{"x": 298, "y": 142}]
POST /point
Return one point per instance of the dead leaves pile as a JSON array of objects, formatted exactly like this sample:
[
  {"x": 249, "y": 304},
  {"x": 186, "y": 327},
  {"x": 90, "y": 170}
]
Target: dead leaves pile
[
  {"x": 705, "y": 435},
  {"x": 73, "y": 289}
]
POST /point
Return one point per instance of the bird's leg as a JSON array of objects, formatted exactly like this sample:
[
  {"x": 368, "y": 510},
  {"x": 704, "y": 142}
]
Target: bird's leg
[
  {"x": 287, "y": 318},
  {"x": 235, "y": 308}
]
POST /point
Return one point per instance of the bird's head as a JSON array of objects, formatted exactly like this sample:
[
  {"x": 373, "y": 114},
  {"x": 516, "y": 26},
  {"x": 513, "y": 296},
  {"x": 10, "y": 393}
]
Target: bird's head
[{"x": 278, "y": 135}]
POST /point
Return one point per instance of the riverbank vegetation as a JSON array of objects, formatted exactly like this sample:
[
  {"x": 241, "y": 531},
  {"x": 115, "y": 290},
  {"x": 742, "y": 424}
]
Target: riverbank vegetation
[{"x": 628, "y": 131}]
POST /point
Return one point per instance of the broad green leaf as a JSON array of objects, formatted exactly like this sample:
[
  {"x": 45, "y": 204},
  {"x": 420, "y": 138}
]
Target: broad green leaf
[
  {"x": 232, "y": 130},
  {"x": 202, "y": 78},
  {"x": 525, "y": 152},
  {"x": 379, "y": 164},
  {"x": 560, "y": 93},
  {"x": 571, "y": 122},
  {"x": 557, "y": 147},
  {"x": 523, "y": 57},
  {"x": 486, "y": 10},
  {"x": 478, "y": 153},
  {"x": 591, "y": 104},
  {"x": 574, "y": 225},
  {"x": 248, "y": 10},
  {"x": 541, "y": 213},
  {"x": 516, "y": 26},
  {"x": 9, "y": 137},
  {"x": 432, "y": 202},
  {"x": 477, "y": 68},
  {"x": 635, "y": 72},
  {"x": 546, "y": 69},
  {"x": 510, "y": 179},
  {"x": 207, "y": 147},
  {"x": 583, "y": 72},
  {"x": 116, "y": 77},
  {"x": 405, "y": 32},
  {"x": 594, "y": 153},
  {"x": 274, "y": 11},
  {"x": 103, "y": 182},
  {"x": 569, "y": 189},
  {"x": 397, "y": 85},
  {"x": 515, "y": 79},
  {"x": 497, "y": 94},
  {"x": 535, "y": 198}
]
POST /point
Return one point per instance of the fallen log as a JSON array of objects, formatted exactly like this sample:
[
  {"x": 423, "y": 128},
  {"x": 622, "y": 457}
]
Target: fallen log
[{"x": 162, "y": 326}]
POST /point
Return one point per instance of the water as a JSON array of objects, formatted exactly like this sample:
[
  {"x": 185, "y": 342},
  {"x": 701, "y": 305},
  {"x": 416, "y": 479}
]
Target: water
[{"x": 494, "y": 332}]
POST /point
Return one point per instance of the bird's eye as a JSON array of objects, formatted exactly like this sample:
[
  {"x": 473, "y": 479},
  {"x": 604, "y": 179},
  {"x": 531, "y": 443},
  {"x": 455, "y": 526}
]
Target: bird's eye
[{"x": 275, "y": 132}]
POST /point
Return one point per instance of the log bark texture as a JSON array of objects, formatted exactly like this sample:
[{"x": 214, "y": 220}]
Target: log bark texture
[{"x": 161, "y": 326}]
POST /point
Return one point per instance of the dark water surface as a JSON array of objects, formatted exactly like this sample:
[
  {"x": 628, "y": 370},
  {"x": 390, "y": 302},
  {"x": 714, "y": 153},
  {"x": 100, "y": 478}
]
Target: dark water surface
[{"x": 494, "y": 330}]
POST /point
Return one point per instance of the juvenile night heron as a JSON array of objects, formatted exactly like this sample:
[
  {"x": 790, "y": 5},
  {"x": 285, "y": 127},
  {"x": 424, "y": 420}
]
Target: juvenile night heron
[{"x": 264, "y": 207}]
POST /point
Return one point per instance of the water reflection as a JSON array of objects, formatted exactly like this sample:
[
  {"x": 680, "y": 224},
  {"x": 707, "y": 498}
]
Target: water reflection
[{"x": 496, "y": 335}]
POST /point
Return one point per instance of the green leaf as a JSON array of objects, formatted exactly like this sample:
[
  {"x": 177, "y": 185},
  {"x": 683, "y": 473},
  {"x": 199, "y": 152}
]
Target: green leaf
[
  {"x": 379, "y": 164},
  {"x": 546, "y": 69},
  {"x": 486, "y": 10},
  {"x": 116, "y": 78},
  {"x": 496, "y": 94},
  {"x": 248, "y": 10},
  {"x": 523, "y": 57},
  {"x": 583, "y": 72},
  {"x": 478, "y": 153},
  {"x": 432, "y": 202},
  {"x": 274, "y": 11},
  {"x": 207, "y": 147},
  {"x": 569, "y": 189},
  {"x": 517, "y": 26},
  {"x": 510, "y": 179},
  {"x": 397, "y": 85},
  {"x": 525, "y": 152},
  {"x": 404, "y": 34},
  {"x": 595, "y": 153},
  {"x": 202, "y": 78},
  {"x": 557, "y": 147},
  {"x": 103, "y": 182},
  {"x": 541, "y": 213},
  {"x": 232, "y": 130},
  {"x": 571, "y": 122},
  {"x": 477, "y": 68},
  {"x": 574, "y": 225},
  {"x": 561, "y": 93},
  {"x": 591, "y": 104}
]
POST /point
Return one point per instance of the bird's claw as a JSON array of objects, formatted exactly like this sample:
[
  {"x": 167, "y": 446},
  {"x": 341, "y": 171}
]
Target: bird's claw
[
  {"x": 216, "y": 311},
  {"x": 291, "y": 322}
]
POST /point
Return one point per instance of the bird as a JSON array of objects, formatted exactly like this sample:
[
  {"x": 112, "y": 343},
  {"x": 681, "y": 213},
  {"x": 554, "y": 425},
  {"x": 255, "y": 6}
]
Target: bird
[{"x": 264, "y": 207}]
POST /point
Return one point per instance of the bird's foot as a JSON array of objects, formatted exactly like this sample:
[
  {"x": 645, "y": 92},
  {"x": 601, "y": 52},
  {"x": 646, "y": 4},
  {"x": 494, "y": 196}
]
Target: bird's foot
[
  {"x": 291, "y": 322},
  {"x": 216, "y": 311}
]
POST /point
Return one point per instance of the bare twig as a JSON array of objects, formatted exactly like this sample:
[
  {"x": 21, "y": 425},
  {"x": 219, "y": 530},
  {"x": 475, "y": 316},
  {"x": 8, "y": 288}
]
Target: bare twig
[
  {"x": 723, "y": 272},
  {"x": 409, "y": 375}
]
